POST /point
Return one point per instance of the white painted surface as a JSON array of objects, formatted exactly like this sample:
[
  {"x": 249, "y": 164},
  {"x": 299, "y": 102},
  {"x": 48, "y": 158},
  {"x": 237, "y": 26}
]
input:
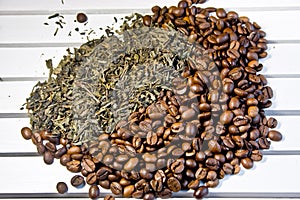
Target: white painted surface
[{"x": 22, "y": 33}]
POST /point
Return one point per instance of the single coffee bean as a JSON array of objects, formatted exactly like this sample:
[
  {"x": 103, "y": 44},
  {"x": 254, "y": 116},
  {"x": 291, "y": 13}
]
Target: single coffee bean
[
  {"x": 91, "y": 178},
  {"x": 50, "y": 147},
  {"x": 105, "y": 184},
  {"x": 109, "y": 197},
  {"x": 26, "y": 133},
  {"x": 174, "y": 184},
  {"x": 131, "y": 164},
  {"x": 94, "y": 192},
  {"x": 116, "y": 188},
  {"x": 40, "y": 148},
  {"x": 81, "y": 17},
  {"x": 128, "y": 190},
  {"x": 88, "y": 165},
  {"x": 64, "y": 159},
  {"x": 61, "y": 151},
  {"x": 48, "y": 157},
  {"x": 74, "y": 166},
  {"x": 74, "y": 150},
  {"x": 165, "y": 194},
  {"x": 247, "y": 163},
  {"x": 274, "y": 135},
  {"x": 149, "y": 196},
  {"x": 201, "y": 192},
  {"x": 147, "y": 20},
  {"x": 253, "y": 111},
  {"x": 226, "y": 117},
  {"x": 272, "y": 122},
  {"x": 77, "y": 181},
  {"x": 61, "y": 187}
]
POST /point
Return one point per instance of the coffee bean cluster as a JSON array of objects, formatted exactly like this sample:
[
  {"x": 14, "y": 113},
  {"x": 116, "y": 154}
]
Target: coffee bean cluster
[{"x": 210, "y": 125}]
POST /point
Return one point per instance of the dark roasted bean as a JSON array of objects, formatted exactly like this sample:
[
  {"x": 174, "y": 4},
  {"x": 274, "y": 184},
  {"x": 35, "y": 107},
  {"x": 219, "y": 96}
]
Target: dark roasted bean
[
  {"x": 61, "y": 187},
  {"x": 201, "y": 192},
  {"x": 274, "y": 135},
  {"x": 94, "y": 192},
  {"x": 26, "y": 133}
]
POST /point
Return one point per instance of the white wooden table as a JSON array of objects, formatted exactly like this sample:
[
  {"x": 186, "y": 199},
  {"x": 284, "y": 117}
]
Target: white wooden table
[{"x": 25, "y": 43}]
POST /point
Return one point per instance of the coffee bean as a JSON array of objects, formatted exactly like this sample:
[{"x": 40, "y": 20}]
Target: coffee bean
[
  {"x": 149, "y": 196},
  {"x": 253, "y": 111},
  {"x": 40, "y": 148},
  {"x": 214, "y": 146},
  {"x": 147, "y": 20},
  {"x": 116, "y": 188},
  {"x": 173, "y": 184},
  {"x": 74, "y": 166},
  {"x": 61, "y": 187},
  {"x": 50, "y": 147},
  {"x": 165, "y": 194},
  {"x": 94, "y": 192},
  {"x": 88, "y": 165},
  {"x": 178, "y": 12},
  {"x": 128, "y": 190},
  {"x": 64, "y": 159},
  {"x": 91, "y": 178},
  {"x": 48, "y": 157},
  {"x": 77, "y": 181},
  {"x": 26, "y": 133},
  {"x": 74, "y": 150},
  {"x": 131, "y": 164},
  {"x": 275, "y": 135},
  {"x": 226, "y": 117},
  {"x": 272, "y": 122},
  {"x": 36, "y": 138},
  {"x": 81, "y": 17},
  {"x": 60, "y": 152},
  {"x": 247, "y": 163},
  {"x": 201, "y": 192},
  {"x": 109, "y": 197}
]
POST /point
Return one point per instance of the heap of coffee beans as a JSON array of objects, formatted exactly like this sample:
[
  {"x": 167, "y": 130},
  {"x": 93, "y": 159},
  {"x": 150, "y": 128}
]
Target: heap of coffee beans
[{"x": 216, "y": 126}]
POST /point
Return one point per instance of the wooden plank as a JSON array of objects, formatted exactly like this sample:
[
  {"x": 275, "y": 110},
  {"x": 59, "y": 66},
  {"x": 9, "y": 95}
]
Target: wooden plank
[
  {"x": 14, "y": 142},
  {"x": 276, "y": 23},
  {"x": 14, "y": 93},
  {"x": 282, "y": 60},
  {"x": 36, "y": 177},
  {"x": 39, "y": 5}
]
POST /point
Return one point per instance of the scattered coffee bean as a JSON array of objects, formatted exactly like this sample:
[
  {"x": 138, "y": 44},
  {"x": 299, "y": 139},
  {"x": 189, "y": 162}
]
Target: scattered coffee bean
[
  {"x": 201, "y": 192},
  {"x": 94, "y": 192},
  {"x": 275, "y": 135},
  {"x": 77, "y": 181},
  {"x": 81, "y": 17},
  {"x": 26, "y": 133},
  {"x": 61, "y": 188}
]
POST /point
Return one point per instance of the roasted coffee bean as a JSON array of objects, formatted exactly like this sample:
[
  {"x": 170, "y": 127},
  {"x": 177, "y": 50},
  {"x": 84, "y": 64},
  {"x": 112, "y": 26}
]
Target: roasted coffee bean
[
  {"x": 147, "y": 20},
  {"x": 201, "y": 192},
  {"x": 247, "y": 163},
  {"x": 60, "y": 152},
  {"x": 165, "y": 194},
  {"x": 109, "y": 197},
  {"x": 272, "y": 122},
  {"x": 26, "y": 133},
  {"x": 91, "y": 178},
  {"x": 131, "y": 164},
  {"x": 48, "y": 157},
  {"x": 74, "y": 150},
  {"x": 88, "y": 165},
  {"x": 149, "y": 196},
  {"x": 128, "y": 190},
  {"x": 173, "y": 184},
  {"x": 253, "y": 111},
  {"x": 50, "y": 147},
  {"x": 78, "y": 181},
  {"x": 94, "y": 192},
  {"x": 226, "y": 117},
  {"x": 40, "y": 148},
  {"x": 64, "y": 159},
  {"x": 212, "y": 183},
  {"x": 212, "y": 164},
  {"x": 177, "y": 167},
  {"x": 36, "y": 138},
  {"x": 61, "y": 187},
  {"x": 116, "y": 188},
  {"x": 275, "y": 135},
  {"x": 81, "y": 17},
  {"x": 74, "y": 166},
  {"x": 105, "y": 184}
]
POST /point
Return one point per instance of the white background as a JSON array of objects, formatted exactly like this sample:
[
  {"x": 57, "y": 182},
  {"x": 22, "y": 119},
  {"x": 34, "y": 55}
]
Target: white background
[{"x": 25, "y": 43}]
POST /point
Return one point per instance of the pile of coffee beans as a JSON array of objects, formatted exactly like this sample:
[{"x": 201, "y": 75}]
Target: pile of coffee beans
[{"x": 192, "y": 137}]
